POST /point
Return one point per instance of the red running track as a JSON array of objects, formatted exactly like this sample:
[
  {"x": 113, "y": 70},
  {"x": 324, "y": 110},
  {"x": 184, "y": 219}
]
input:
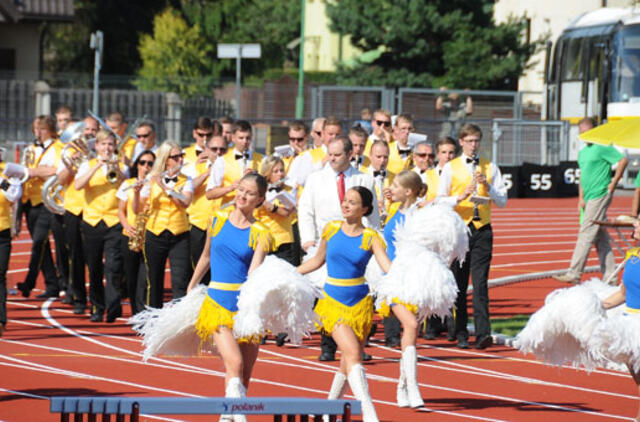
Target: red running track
[{"x": 47, "y": 350}]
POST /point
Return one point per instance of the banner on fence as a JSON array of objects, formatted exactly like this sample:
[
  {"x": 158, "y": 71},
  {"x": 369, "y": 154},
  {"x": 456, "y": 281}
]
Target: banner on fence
[{"x": 537, "y": 181}]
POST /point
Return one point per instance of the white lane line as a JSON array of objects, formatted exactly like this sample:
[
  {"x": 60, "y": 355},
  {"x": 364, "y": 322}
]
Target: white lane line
[{"x": 516, "y": 264}]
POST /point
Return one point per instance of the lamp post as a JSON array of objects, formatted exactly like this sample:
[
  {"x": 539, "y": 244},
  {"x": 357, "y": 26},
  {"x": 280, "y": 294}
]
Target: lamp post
[
  {"x": 238, "y": 52},
  {"x": 96, "y": 43},
  {"x": 300, "y": 97}
]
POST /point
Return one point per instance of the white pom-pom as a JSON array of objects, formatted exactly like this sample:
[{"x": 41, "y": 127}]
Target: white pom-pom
[
  {"x": 419, "y": 277},
  {"x": 560, "y": 332},
  {"x": 438, "y": 228},
  {"x": 277, "y": 299},
  {"x": 170, "y": 330},
  {"x": 618, "y": 339},
  {"x": 373, "y": 274}
]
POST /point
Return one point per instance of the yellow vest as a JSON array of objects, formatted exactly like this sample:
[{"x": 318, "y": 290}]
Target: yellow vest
[
  {"x": 396, "y": 162},
  {"x": 317, "y": 154},
  {"x": 128, "y": 147},
  {"x": 279, "y": 226},
  {"x": 32, "y": 188},
  {"x": 190, "y": 155},
  {"x": 101, "y": 200},
  {"x": 73, "y": 198},
  {"x": 164, "y": 214},
  {"x": 5, "y": 209},
  {"x": 131, "y": 216},
  {"x": 460, "y": 179},
  {"x": 201, "y": 209},
  {"x": 287, "y": 163},
  {"x": 233, "y": 171},
  {"x": 433, "y": 178}
]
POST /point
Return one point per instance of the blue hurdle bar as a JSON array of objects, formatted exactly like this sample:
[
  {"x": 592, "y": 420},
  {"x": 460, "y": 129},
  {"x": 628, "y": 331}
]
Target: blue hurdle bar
[{"x": 134, "y": 406}]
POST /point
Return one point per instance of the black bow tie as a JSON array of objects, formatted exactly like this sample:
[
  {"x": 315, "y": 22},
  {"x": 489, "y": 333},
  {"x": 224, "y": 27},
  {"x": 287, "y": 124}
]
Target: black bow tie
[
  {"x": 423, "y": 171},
  {"x": 241, "y": 156},
  {"x": 356, "y": 160},
  {"x": 404, "y": 152},
  {"x": 170, "y": 179},
  {"x": 198, "y": 152},
  {"x": 475, "y": 160},
  {"x": 377, "y": 173},
  {"x": 38, "y": 144},
  {"x": 275, "y": 189},
  {"x": 439, "y": 171}
]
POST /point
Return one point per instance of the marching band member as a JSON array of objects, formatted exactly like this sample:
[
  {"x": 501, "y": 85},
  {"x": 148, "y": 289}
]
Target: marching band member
[
  {"x": 227, "y": 129},
  {"x": 314, "y": 159},
  {"x": 167, "y": 197},
  {"x": 201, "y": 208},
  {"x": 9, "y": 194},
  {"x": 227, "y": 170},
  {"x": 407, "y": 187},
  {"x": 399, "y": 149},
  {"x": 316, "y": 131},
  {"x": 461, "y": 178},
  {"x": 202, "y": 132},
  {"x": 146, "y": 135},
  {"x": 99, "y": 178},
  {"x": 42, "y": 165},
  {"x": 379, "y": 159},
  {"x": 345, "y": 311},
  {"x": 236, "y": 245},
  {"x": 117, "y": 124},
  {"x": 423, "y": 159},
  {"x": 74, "y": 203},
  {"x": 132, "y": 260},
  {"x": 298, "y": 136},
  {"x": 278, "y": 214},
  {"x": 358, "y": 138},
  {"x": 64, "y": 114},
  {"x": 381, "y": 125}
]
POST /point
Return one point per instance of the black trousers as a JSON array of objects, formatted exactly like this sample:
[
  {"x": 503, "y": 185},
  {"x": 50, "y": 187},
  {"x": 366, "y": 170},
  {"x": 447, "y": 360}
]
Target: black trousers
[
  {"x": 197, "y": 239},
  {"x": 100, "y": 241},
  {"x": 392, "y": 328},
  {"x": 296, "y": 244},
  {"x": 477, "y": 262},
  {"x": 39, "y": 223},
  {"x": 62, "y": 253},
  {"x": 73, "y": 237},
  {"x": 5, "y": 253},
  {"x": 134, "y": 276},
  {"x": 288, "y": 252},
  {"x": 156, "y": 251}
]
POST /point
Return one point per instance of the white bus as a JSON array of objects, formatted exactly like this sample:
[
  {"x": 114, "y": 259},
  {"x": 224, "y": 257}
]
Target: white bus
[{"x": 594, "y": 70}]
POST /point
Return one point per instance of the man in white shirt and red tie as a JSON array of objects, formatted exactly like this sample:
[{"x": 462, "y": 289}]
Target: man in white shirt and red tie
[
  {"x": 320, "y": 203},
  {"x": 462, "y": 178}
]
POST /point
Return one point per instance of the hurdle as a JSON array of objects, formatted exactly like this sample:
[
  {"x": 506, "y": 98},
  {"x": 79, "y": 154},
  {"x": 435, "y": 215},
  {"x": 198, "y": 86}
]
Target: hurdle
[{"x": 279, "y": 407}]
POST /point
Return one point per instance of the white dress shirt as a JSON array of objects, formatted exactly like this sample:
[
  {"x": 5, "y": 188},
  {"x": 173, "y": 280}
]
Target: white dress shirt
[
  {"x": 320, "y": 203},
  {"x": 139, "y": 149},
  {"x": 216, "y": 177},
  {"x": 13, "y": 192},
  {"x": 497, "y": 190},
  {"x": 301, "y": 167}
]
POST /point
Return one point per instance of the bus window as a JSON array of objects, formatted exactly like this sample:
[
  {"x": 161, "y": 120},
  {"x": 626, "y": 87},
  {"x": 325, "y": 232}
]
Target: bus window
[
  {"x": 572, "y": 65},
  {"x": 625, "y": 65}
]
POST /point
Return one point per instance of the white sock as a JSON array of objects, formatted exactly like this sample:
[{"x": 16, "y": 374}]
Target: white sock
[
  {"x": 409, "y": 363},
  {"x": 360, "y": 388}
]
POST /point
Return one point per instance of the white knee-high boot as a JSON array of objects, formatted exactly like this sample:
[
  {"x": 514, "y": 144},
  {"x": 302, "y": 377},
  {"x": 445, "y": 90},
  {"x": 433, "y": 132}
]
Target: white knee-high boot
[
  {"x": 360, "y": 388},
  {"x": 409, "y": 363},
  {"x": 235, "y": 390},
  {"x": 401, "y": 392},
  {"x": 337, "y": 390}
]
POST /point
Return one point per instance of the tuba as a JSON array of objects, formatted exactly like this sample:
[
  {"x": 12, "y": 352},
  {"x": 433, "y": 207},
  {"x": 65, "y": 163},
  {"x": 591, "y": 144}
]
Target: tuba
[{"x": 51, "y": 195}]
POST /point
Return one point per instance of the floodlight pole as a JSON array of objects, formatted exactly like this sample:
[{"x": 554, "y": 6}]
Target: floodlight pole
[
  {"x": 300, "y": 98},
  {"x": 96, "y": 43},
  {"x": 238, "y": 82}
]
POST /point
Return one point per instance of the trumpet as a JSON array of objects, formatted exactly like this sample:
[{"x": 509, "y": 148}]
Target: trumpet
[{"x": 113, "y": 169}]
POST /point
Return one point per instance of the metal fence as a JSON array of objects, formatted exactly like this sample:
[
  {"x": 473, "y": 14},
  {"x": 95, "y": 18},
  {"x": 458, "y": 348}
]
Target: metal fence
[{"x": 536, "y": 142}]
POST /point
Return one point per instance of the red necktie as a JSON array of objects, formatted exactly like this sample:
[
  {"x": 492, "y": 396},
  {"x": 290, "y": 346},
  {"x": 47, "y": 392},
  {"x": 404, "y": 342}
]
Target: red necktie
[{"x": 341, "y": 187}]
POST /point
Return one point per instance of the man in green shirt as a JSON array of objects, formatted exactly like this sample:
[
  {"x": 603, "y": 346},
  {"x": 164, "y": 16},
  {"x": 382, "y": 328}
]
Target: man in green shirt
[{"x": 596, "y": 192}]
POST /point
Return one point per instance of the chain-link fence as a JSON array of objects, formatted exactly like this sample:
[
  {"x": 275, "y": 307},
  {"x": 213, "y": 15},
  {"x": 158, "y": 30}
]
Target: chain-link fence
[{"x": 518, "y": 141}]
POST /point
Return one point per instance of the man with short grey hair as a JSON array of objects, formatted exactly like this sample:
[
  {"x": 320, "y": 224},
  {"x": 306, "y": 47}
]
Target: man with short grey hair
[
  {"x": 146, "y": 135},
  {"x": 423, "y": 159},
  {"x": 316, "y": 131}
]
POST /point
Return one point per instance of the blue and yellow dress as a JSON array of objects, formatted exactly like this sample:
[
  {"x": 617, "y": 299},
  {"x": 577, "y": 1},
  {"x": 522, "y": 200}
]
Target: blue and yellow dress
[
  {"x": 231, "y": 253},
  {"x": 394, "y": 218},
  {"x": 631, "y": 280},
  {"x": 346, "y": 295}
]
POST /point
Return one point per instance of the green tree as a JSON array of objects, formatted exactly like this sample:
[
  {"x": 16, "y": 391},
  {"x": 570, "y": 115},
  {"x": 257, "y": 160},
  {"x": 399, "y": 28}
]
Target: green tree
[
  {"x": 175, "y": 58},
  {"x": 452, "y": 42}
]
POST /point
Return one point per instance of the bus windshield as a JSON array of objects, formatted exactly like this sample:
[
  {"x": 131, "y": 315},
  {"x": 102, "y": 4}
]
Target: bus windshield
[{"x": 625, "y": 65}]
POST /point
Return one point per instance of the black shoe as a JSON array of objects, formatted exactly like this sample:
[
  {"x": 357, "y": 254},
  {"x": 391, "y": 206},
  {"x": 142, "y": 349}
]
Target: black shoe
[
  {"x": 67, "y": 299},
  {"x": 484, "y": 342},
  {"x": 23, "y": 289},
  {"x": 280, "y": 339},
  {"x": 326, "y": 357},
  {"x": 429, "y": 335},
  {"x": 96, "y": 317},
  {"x": 463, "y": 344},
  {"x": 79, "y": 309},
  {"x": 112, "y": 317},
  {"x": 366, "y": 357},
  {"x": 263, "y": 340},
  {"x": 47, "y": 295},
  {"x": 392, "y": 342}
]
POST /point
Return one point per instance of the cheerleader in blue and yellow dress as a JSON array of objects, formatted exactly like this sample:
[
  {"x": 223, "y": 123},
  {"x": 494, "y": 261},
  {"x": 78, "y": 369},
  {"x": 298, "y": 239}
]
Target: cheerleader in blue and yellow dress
[
  {"x": 236, "y": 245},
  {"x": 407, "y": 187},
  {"x": 346, "y": 310}
]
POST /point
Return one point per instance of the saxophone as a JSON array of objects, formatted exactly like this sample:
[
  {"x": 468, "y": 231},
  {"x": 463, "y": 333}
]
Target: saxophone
[{"x": 137, "y": 241}]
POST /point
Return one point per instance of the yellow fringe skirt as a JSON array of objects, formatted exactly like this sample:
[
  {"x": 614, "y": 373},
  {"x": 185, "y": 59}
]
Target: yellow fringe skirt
[
  {"x": 385, "y": 310},
  {"x": 213, "y": 316},
  {"x": 358, "y": 317}
]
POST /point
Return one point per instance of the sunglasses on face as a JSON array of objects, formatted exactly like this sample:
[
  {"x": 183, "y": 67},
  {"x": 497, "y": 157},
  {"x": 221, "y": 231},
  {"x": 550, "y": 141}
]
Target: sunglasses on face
[
  {"x": 383, "y": 123},
  {"x": 424, "y": 155},
  {"x": 143, "y": 135},
  {"x": 296, "y": 139},
  {"x": 204, "y": 134},
  {"x": 176, "y": 156},
  {"x": 145, "y": 163},
  {"x": 317, "y": 132},
  {"x": 218, "y": 149}
]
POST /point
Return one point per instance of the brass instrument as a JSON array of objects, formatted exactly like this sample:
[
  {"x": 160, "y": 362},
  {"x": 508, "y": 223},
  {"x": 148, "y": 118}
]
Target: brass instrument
[
  {"x": 80, "y": 146},
  {"x": 137, "y": 241},
  {"x": 476, "y": 213},
  {"x": 51, "y": 196},
  {"x": 409, "y": 164},
  {"x": 28, "y": 156},
  {"x": 113, "y": 169}
]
